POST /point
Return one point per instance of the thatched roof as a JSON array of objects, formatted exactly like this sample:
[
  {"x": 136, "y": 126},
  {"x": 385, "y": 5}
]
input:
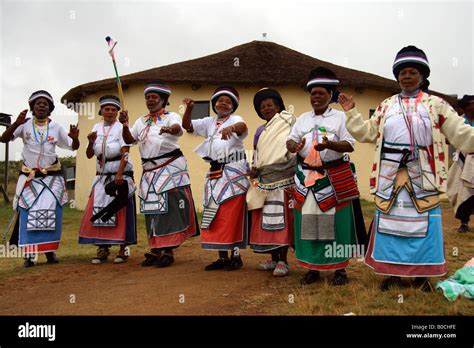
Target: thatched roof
[{"x": 254, "y": 63}]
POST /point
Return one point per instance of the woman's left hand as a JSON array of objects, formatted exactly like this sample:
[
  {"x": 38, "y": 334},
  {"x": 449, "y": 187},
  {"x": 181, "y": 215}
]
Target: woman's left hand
[
  {"x": 227, "y": 132},
  {"x": 324, "y": 145},
  {"x": 168, "y": 130},
  {"x": 119, "y": 179},
  {"x": 253, "y": 173},
  {"x": 73, "y": 132}
]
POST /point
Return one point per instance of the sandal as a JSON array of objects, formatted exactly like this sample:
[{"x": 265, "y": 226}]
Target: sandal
[
  {"x": 422, "y": 284},
  {"x": 52, "y": 257},
  {"x": 102, "y": 255},
  {"x": 121, "y": 256},
  {"x": 392, "y": 281},
  {"x": 165, "y": 261},
  {"x": 150, "y": 260},
  {"x": 28, "y": 263},
  {"x": 340, "y": 278},
  {"x": 235, "y": 263},
  {"x": 218, "y": 264},
  {"x": 310, "y": 277}
]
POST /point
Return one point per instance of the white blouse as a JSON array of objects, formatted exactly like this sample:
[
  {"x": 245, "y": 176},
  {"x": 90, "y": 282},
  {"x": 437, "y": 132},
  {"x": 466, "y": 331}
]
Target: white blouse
[
  {"x": 113, "y": 146},
  {"x": 214, "y": 147},
  {"x": 150, "y": 142},
  {"x": 39, "y": 145},
  {"x": 307, "y": 126}
]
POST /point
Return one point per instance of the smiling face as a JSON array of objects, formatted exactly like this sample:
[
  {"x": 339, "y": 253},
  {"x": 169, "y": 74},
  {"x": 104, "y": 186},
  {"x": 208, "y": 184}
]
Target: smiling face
[
  {"x": 268, "y": 109},
  {"x": 41, "y": 108},
  {"x": 224, "y": 105},
  {"x": 154, "y": 103},
  {"x": 109, "y": 113},
  {"x": 319, "y": 98},
  {"x": 409, "y": 79}
]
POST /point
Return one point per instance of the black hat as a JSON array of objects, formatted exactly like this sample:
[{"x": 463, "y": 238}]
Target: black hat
[
  {"x": 465, "y": 100},
  {"x": 411, "y": 57},
  {"x": 229, "y": 91},
  {"x": 41, "y": 94},
  {"x": 322, "y": 77},
  {"x": 109, "y": 100},
  {"x": 267, "y": 93}
]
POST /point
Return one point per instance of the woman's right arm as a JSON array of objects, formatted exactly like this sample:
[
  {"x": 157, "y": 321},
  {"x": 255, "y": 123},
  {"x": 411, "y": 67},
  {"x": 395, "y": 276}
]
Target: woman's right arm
[
  {"x": 364, "y": 131},
  {"x": 126, "y": 134},
  {"x": 90, "y": 147},
  {"x": 8, "y": 134},
  {"x": 187, "y": 124}
]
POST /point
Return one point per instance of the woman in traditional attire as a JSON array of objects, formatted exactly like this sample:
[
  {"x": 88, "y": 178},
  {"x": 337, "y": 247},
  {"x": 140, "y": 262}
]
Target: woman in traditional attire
[
  {"x": 41, "y": 189},
  {"x": 408, "y": 173},
  {"x": 110, "y": 216},
  {"x": 224, "y": 222},
  {"x": 269, "y": 198},
  {"x": 165, "y": 189},
  {"x": 461, "y": 174},
  {"x": 328, "y": 219}
]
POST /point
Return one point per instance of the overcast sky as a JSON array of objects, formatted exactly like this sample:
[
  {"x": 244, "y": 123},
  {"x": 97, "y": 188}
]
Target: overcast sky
[{"x": 57, "y": 45}]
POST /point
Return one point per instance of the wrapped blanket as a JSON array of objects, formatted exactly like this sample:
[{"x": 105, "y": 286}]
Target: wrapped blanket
[{"x": 275, "y": 164}]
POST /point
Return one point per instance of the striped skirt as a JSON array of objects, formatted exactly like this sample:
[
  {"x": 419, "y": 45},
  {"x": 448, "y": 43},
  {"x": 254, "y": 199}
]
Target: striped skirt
[
  {"x": 178, "y": 222},
  {"x": 122, "y": 230},
  {"x": 408, "y": 256},
  {"x": 228, "y": 229},
  {"x": 263, "y": 237}
]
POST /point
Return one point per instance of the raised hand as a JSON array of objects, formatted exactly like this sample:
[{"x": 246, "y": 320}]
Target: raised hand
[
  {"x": 21, "y": 118},
  {"x": 123, "y": 117},
  {"x": 346, "y": 102},
  {"x": 92, "y": 136},
  {"x": 188, "y": 102},
  {"x": 73, "y": 132}
]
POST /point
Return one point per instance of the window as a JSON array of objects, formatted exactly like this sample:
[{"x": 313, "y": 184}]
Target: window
[{"x": 200, "y": 110}]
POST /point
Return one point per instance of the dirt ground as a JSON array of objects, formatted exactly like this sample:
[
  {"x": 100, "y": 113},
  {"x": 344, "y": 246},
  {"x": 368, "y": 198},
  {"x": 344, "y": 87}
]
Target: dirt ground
[
  {"x": 129, "y": 289},
  {"x": 76, "y": 287}
]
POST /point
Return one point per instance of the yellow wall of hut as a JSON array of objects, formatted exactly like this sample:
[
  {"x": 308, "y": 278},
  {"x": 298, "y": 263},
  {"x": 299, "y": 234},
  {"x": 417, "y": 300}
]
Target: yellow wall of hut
[{"x": 296, "y": 101}]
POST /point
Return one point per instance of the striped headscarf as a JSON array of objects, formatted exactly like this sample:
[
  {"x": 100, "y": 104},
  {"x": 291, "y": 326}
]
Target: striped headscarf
[
  {"x": 41, "y": 94},
  {"x": 322, "y": 77},
  {"x": 109, "y": 100},
  {"x": 229, "y": 91},
  {"x": 160, "y": 88},
  {"x": 412, "y": 57}
]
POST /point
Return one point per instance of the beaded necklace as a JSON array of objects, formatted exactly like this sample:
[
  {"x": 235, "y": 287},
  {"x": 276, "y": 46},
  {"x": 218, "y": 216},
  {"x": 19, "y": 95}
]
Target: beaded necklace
[
  {"x": 409, "y": 122},
  {"x": 150, "y": 119},
  {"x": 43, "y": 138},
  {"x": 104, "y": 144},
  {"x": 37, "y": 132}
]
